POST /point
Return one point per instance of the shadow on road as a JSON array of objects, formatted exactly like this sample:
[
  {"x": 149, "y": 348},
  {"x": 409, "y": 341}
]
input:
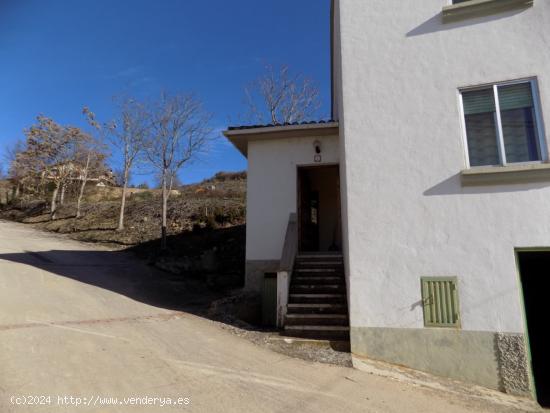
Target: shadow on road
[{"x": 123, "y": 273}]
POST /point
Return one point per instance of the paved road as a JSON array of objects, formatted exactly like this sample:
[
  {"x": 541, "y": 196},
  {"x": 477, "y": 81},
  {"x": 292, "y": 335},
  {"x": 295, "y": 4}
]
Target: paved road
[{"x": 80, "y": 321}]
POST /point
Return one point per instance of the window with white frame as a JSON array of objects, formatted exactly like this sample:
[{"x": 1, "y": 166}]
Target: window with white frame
[{"x": 502, "y": 124}]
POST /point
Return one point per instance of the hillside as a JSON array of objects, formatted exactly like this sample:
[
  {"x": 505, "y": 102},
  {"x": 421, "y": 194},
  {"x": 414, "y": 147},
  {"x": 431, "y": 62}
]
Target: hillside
[{"x": 205, "y": 224}]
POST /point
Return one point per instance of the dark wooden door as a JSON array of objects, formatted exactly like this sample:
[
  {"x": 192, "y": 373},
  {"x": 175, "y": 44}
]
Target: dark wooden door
[{"x": 308, "y": 205}]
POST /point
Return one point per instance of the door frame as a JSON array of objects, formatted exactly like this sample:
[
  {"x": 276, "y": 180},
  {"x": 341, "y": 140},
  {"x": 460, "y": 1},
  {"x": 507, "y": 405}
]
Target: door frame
[{"x": 299, "y": 194}]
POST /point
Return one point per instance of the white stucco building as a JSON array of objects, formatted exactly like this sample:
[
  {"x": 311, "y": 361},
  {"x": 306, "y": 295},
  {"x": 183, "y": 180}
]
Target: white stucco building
[{"x": 432, "y": 185}]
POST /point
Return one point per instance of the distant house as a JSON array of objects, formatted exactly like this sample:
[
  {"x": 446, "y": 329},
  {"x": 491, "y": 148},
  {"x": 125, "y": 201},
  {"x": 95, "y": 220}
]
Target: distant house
[
  {"x": 103, "y": 179},
  {"x": 417, "y": 220}
]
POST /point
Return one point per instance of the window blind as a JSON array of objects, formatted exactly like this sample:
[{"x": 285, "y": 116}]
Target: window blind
[
  {"x": 516, "y": 96},
  {"x": 518, "y": 122},
  {"x": 478, "y": 101}
]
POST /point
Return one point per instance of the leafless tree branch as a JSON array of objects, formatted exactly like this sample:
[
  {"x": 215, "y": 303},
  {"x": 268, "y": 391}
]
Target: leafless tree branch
[
  {"x": 180, "y": 133},
  {"x": 280, "y": 97},
  {"x": 127, "y": 133}
]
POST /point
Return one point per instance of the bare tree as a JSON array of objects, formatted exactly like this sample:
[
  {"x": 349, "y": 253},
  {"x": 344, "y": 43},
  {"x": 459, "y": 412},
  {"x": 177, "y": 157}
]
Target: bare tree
[
  {"x": 280, "y": 97},
  {"x": 180, "y": 133},
  {"x": 172, "y": 179},
  {"x": 64, "y": 184},
  {"x": 118, "y": 177},
  {"x": 91, "y": 156},
  {"x": 127, "y": 133},
  {"x": 52, "y": 149},
  {"x": 17, "y": 167},
  {"x": 83, "y": 177}
]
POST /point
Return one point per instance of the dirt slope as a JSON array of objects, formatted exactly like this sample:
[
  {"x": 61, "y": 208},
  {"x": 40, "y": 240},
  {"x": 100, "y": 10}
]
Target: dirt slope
[{"x": 205, "y": 224}]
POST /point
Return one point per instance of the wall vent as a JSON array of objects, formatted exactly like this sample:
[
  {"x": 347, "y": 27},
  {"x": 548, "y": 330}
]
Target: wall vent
[{"x": 440, "y": 302}]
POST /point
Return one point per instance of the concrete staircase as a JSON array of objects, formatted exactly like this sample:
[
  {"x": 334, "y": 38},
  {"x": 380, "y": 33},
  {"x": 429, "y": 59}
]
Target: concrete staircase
[{"x": 317, "y": 305}]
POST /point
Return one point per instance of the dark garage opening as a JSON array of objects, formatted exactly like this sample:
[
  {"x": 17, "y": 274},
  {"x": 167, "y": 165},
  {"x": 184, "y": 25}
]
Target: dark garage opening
[{"x": 534, "y": 269}]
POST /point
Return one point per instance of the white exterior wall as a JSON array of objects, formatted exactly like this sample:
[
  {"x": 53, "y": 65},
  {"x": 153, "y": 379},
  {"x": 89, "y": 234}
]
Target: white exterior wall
[
  {"x": 272, "y": 191},
  {"x": 402, "y": 151},
  {"x": 338, "y": 114}
]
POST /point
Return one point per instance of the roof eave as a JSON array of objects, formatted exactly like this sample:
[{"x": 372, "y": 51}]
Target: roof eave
[{"x": 240, "y": 137}]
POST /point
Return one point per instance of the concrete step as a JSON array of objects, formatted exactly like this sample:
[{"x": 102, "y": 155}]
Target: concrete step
[
  {"x": 316, "y": 319},
  {"x": 334, "y": 263},
  {"x": 322, "y": 264},
  {"x": 337, "y": 345},
  {"x": 304, "y": 264},
  {"x": 317, "y": 298},
  {"x": 317, "y": 270},
  {"x": 317, "y": 308},
  {"x": 317, "y": 288},
  {"x": 318, "y": 328},
  {"x": 316, "y": 274},
  {"x": 310, "y": 268},
  {"x": 319, "y": 255},
  {"x": 318, "y": 280},
  {"x": 319, "y": 332}
]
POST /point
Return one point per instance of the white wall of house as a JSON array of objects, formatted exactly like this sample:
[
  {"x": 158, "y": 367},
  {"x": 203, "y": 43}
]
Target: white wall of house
[
  {"x": 338, "y": 115},
  {"x": 272, "y": 191},
  {"x": 402, "y": 151}
]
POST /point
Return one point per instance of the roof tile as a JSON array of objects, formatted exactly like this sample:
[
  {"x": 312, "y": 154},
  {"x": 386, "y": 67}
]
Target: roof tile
[{"x": 271, "y": 125}]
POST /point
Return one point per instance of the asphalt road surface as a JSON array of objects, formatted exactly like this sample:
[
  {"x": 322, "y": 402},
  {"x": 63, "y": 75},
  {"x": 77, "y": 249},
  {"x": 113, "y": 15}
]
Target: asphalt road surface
[{"x": 82, "y": 328}]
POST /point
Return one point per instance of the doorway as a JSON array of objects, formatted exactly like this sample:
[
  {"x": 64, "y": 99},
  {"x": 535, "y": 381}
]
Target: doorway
[
  {"x": 534, "y": 267},
  {"x": 319, "y": 219}
]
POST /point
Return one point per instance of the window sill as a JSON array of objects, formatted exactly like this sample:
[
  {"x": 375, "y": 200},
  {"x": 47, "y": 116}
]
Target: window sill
[
  {"x": 480, "y": 8},
  {"x": 509, "y": 174}
]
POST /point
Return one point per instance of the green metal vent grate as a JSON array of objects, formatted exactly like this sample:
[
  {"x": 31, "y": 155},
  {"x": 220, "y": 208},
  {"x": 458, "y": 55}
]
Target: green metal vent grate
[{"x": 440, "y": 302}]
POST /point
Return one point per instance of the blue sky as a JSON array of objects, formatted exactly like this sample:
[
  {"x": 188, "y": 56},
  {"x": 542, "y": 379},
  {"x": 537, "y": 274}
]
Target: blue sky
[{"x": 59, "y": 55}]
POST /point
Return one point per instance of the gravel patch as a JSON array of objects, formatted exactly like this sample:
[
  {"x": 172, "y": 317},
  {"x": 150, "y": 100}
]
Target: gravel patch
[{"x": 272, "y": 340}]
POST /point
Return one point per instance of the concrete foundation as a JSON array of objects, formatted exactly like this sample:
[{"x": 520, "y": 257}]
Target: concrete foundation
[
  {"x": 255, "y": 270},
  {"x": 493, "y": 360}
]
